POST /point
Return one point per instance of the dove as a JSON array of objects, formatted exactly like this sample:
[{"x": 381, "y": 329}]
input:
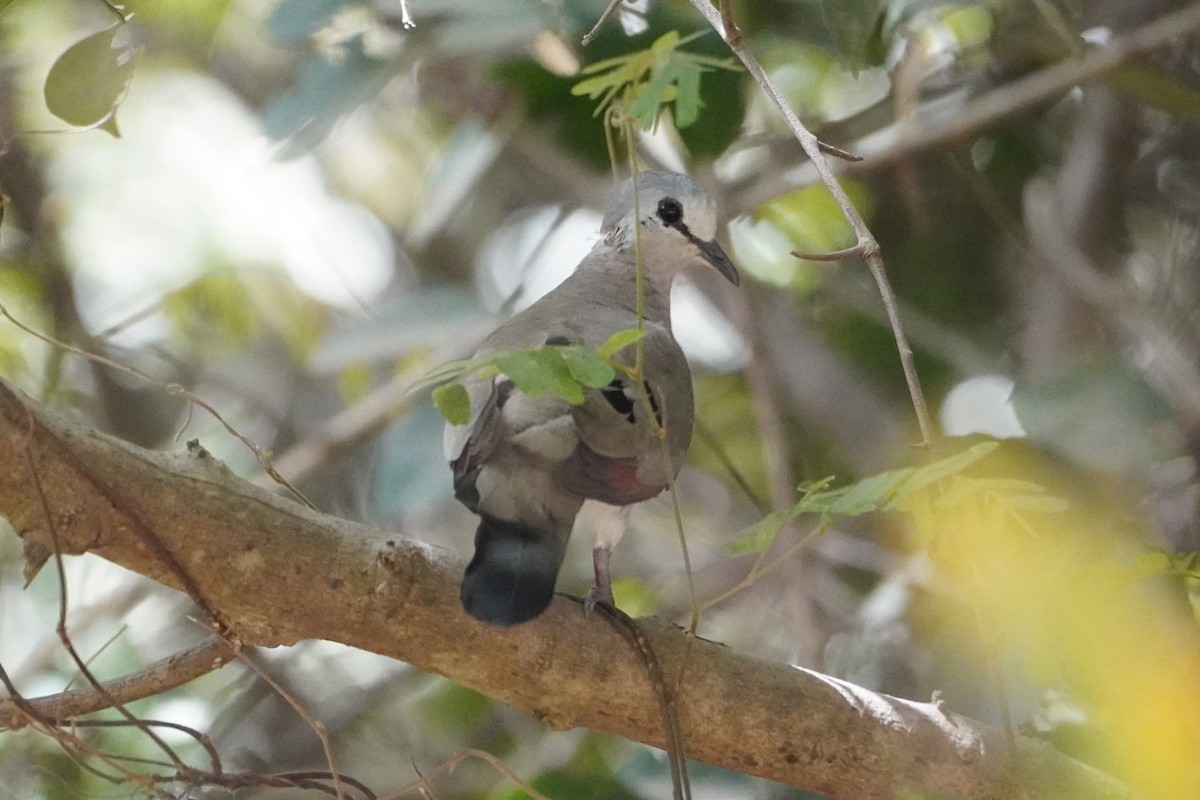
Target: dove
[{"x": 529, "y": 465}]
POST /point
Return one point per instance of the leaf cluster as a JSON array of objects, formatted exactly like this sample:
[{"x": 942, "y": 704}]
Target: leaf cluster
[
  {"x": 566, "y": 370},
  {"x": 644, "y": 81},
  {"x": 885, "y": 491}
]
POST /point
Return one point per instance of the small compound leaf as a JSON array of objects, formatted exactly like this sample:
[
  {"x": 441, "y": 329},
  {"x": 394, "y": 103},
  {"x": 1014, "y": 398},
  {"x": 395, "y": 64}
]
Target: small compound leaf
[
  {"x": 89, "y": 80},
  {"x": 450, "y": 371},
  {"x": 652, "y": 96},
  {"x": 587, "y": 367},
  {"x": 523, "y": 370},
  {"x": 943, "y": 468},
  {"x": 687, "y": 98},
  {"x": 536, "y": 372},
  {"x": 619, "y": 341},
  {"x": 453, "y": 403},
  {"x": 558, "y": 374},
  {"x": 867, "y": 495}
]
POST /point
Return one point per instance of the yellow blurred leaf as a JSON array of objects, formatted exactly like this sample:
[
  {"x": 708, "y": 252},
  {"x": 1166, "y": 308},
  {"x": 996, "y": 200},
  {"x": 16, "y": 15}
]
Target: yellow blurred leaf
[
  {"x": 811, "y": 219},
  {"x": 354, "y": 382}
]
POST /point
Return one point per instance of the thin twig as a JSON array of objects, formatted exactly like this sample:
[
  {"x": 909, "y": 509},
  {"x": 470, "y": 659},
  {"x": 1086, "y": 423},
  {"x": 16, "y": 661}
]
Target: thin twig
[
  {"x": 116, "y": 9},
  {"x": 74, "y": 747},
  {"x": 867, "y": 245},
  {"x": 709, "y": 438},
  {"x": 161, "y": 676},
  {"x": 462, "y": 755},
  {"x": 313, "y": 723},
  {"x": 1038, "y": 87},
  {"x": 1179, "y": 376},
  {"x": 346, "y": 779},
  {"x": 608, "y": 12},
  {"x": 760, "y": 569},
  {"x": 201, "y": 739},
  {"x": 261, "y": 454},
  {"x": 61, "y": 627},
  {"x": 836, "y": 255},
  {"x": 639, "y": 376},
  {"x": 406, "y": 19}
]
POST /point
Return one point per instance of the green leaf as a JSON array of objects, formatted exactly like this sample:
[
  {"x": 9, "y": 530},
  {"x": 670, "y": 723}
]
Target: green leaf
[
  {"x": 658, "y": 92},
  {"x": 523, "y": 369},
  {"x": 869, "y": 494},
  {"x": 759, "y": 537},
  {"x": 453, "y": 403},
  {"x": 926, "y": 476},
  {"x": 645, "y": 81},
  {"x": 1156, "y": 88},
  {"x": 687, "y": 98},
  {"x": 587, "y": 367},
  {"x": 619, "y": 341},
  {"x": 450, "y": 371},
  {"x": 88, "y": 81},
  {"x": 562, "y": 382},
  {"x": 536, "y": 372},
  {"x": 1160, "y": 562}
]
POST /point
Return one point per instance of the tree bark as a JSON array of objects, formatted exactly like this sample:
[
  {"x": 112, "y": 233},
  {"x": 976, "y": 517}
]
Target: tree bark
[{"x": 273, "y": 573}]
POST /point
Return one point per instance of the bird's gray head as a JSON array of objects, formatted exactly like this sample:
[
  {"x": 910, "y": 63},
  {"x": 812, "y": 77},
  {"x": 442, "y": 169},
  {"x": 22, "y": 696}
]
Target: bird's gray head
[{"x": 678, "y": 222}]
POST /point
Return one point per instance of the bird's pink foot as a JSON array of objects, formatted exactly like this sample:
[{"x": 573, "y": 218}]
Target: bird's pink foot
[{"x": 602, "y": 591}]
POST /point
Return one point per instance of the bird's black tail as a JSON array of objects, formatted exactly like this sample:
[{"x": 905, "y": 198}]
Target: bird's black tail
[{"x": 511, "y": 578}]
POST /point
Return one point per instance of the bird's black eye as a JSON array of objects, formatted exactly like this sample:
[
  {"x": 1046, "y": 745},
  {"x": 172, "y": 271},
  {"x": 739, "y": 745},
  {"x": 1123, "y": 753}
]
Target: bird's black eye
[{"x": 669, "y": 210}]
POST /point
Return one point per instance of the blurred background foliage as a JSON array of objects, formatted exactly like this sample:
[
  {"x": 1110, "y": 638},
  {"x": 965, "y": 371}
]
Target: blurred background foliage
[{"x": 295, "y": 208}]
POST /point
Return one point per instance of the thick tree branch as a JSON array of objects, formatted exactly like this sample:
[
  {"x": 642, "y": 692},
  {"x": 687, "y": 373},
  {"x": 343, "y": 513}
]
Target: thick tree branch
[{"x": 278, "y": 573}]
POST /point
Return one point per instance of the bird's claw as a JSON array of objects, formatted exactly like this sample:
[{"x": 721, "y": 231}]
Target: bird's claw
[{"x": 598, "y": 596}]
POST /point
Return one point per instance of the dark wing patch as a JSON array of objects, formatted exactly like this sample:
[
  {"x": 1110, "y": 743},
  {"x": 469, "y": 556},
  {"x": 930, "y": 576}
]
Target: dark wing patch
[
  {"x": 622, "y": 403},
  {"x": 503, "y": 389},
  {"x": 653, "y": 403},
  {"x": 617, "y": 395}
]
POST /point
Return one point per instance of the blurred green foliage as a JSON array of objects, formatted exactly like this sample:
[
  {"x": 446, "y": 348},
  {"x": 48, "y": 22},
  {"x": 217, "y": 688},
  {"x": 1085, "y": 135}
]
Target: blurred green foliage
[{"x": 88, "y": 81}]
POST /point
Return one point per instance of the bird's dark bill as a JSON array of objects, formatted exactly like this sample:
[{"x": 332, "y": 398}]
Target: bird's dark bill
[{"x": 714, "y": 255}]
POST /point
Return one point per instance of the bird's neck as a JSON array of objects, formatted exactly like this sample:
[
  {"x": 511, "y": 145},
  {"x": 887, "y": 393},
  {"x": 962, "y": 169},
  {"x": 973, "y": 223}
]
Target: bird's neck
[{"x": 618, "y": 286}]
